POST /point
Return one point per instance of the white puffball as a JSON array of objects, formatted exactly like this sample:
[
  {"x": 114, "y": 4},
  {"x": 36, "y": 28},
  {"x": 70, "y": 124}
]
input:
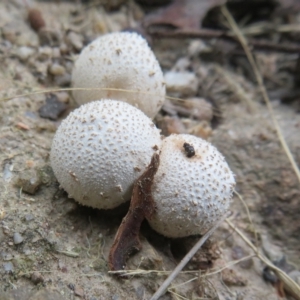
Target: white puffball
[
  {"x": 191, "y": 193},
  {"x": 120, "y": 60},
  {"x": 100, "y": 149}
]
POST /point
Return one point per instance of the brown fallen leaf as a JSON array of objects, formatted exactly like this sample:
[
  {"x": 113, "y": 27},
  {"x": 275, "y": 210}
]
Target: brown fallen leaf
[
  {"x": 142, "y": 205},
  {"x": 182, "y": 14}
]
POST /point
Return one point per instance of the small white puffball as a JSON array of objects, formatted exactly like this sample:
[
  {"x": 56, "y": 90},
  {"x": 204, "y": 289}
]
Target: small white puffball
[
  {"x": 120, "y": 60},
  {"x": 100, "y": 149},
  {"x": 192, "y": 188}
]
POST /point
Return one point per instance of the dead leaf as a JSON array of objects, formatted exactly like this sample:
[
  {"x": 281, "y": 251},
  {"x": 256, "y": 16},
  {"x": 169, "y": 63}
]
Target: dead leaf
[
  {"x": 141, "y": 206},
  {"x": 182, "y": 14}
]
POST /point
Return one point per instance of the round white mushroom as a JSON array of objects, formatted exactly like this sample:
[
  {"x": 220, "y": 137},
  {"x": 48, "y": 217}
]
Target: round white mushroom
[
  {"x": 100, "y": 149},
  {"x": 192, "y": 188},
  {"x": 120, "y": 60}
]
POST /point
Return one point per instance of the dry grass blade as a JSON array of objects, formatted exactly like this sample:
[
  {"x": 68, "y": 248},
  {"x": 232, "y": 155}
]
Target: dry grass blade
[
  {"x": 248, "y": 214},
  {"x": 38, "y": 92},
  {"x": 289, "y": 284},
  {"x": 236, "y": 88},
  {"x": 185, "y": 260},
  {"x": 263, "y": 90}
]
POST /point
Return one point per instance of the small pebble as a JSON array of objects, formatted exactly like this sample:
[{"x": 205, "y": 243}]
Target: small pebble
[
  {"x": 231, "y": 278},
  {"x": 71, "y": 286},
  {"x": 53, "y": 108},
  {"x": 170, "y": 125},
  {"x": 63, "y": 80},
  {"x": 196, "y": 47},
  {"x": 49, "y": 36},
  {"x": 56, "y": 52},
  {"x": 238, "y": 253},
  {"x": 57, "y": 69},
  {"x": 6, "y": 256},
  {"x": 198, "y": 108},
  {"x": 78, "y": 291},
  {"x": 181, "y": 65},
  {"x": 181, "y": 83},
  {"x": 8, "y": 267},
  {"x": 36, "y": 19},
  {"x": 18, "y": 239},
  {"x": 295, "y": 275},
  {"x": 36, "y": 277},
  {"x": 45, "y": 53},
  {"x": 63, "y": 97},
  {"x": 28, "y": 217},
  {"x": 75, "y": 40},
  {"x": 63, "y": 48},
  {"x": 24, "y": 52},
  {"x": 29, "y": 183},
  {"x": 7, "y": 170},
  {"x": 271, "y": 251}
]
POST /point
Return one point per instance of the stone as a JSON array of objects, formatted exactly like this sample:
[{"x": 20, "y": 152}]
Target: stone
[
  {"x": 24, "y": 52},
  {"x": 18, "y": 239},
  {"x": 57, "y": 69},
  {"x": 53, "y": 108},
  {"x": 181, "y": 84}
]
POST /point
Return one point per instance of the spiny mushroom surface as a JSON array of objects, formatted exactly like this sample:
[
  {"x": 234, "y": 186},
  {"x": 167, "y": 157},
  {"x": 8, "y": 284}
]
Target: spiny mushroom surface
[
  {"x": 120, "y": 60},
  {"x": 192, "y": 188},
  {"x": 100, "y": 149}
]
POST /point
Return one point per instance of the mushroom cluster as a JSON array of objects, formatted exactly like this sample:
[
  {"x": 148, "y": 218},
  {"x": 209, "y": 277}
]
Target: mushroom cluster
[
  {"x": 108, "y": 150},
  {"x": 102, "y": 147}
]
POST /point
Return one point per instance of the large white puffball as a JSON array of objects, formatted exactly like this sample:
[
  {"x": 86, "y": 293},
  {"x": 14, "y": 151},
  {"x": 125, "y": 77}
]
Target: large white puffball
[
  {"x": 100, "y": 149},
  {"x": 192, "y": 188},
  {"x": 120, "y": 60}
]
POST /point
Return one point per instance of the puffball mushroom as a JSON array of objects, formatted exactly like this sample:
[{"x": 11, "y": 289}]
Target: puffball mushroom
[
  {"x": 100, "y": 149},
  {"x": 120, "y": 60},
  {"x": 192, "y": 188}
]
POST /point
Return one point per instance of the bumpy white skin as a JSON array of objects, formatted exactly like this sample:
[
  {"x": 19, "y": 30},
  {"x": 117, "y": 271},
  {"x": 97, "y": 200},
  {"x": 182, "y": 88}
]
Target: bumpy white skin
[
  {"x": 191, "y": 194},
  {"x": 100, "y": 149},
  {"x": 120, "y": 60}
]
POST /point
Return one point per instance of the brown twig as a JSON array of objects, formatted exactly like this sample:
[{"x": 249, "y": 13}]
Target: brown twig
[
  {"x": 221, "y": 34},
  {"x": 142, "y": 205}
]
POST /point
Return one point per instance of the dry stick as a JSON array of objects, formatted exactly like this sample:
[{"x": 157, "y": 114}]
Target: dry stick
[
  {"x": 210, "y": 34},
  {"x": 289, "y": 284},
  {"x": 186, "y": 259},
  {"x": 248, "y": 214},
  {"x": 263, "y": 90}
]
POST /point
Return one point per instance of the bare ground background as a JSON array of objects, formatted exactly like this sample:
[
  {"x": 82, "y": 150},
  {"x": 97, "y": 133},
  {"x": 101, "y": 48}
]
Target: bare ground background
[{"x": 53, "y": 248}]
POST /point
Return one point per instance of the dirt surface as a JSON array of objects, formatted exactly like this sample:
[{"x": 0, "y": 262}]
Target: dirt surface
[{"x": 53, "y": 248}]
